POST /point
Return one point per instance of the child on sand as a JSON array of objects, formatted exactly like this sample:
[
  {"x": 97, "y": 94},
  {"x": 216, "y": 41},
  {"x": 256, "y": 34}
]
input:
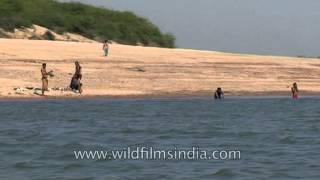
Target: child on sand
[
  {"x": 106, "y": 48},
  {"x": 44, "y": 78}
]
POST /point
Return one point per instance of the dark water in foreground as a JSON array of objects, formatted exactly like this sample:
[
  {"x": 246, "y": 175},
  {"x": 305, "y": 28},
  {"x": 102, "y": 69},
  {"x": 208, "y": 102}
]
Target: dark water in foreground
[{"x": 278, "y": 138}]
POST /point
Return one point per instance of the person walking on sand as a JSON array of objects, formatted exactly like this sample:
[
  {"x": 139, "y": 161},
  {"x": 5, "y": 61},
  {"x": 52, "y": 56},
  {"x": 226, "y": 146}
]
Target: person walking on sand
[
  {"x": 106, "y": 48},
  {"x": 295, "y": 91},
  {"x": 45, "y": 81},
  {"x": 76, "y": 79}
]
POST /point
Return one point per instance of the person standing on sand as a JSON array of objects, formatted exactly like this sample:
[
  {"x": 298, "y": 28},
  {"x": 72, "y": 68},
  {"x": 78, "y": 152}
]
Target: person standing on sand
[
  {"x": 76, "y": 79},
  {"x": 295, "y": 91},
  {"x": 45, "y": 81},
  {"x": 106, "y": 48}
]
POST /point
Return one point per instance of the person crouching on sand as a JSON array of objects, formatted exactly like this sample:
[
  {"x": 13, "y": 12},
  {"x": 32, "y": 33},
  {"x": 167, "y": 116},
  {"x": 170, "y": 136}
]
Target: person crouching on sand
[
  {"x": 45, "y": 81},
  {"x": 106, "y": 48},
  {"x": 219, "y": 94},
  {"x": 76, "y": 79},
  {"x": 295, "y": 91}
]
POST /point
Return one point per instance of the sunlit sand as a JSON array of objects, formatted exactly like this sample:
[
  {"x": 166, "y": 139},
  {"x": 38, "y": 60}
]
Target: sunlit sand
[{"x": 145, "y": 71}]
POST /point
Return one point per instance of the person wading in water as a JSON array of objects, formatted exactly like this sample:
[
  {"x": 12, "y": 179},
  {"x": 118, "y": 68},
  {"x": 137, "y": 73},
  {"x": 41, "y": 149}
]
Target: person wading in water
[
  {"x": 219, "y": 94},
  {"x": 295, "y": 91}
]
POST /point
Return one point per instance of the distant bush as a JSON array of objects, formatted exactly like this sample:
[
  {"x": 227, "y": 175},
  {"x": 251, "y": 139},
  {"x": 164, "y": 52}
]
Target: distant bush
[
  {"x": 49, "y": 36},
  {"x": 89, "y": 21}
]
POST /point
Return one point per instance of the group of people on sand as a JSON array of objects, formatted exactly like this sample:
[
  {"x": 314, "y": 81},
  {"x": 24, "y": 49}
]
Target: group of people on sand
[
  {"x": 219, "y": 94},
  {"x": 75, "y": 84}
]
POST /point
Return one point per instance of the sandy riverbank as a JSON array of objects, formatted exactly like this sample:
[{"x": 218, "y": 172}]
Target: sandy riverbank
[{"x": 133, "y": 71}]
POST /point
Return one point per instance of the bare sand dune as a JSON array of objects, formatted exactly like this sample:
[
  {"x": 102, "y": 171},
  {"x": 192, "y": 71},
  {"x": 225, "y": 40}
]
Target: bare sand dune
[
  {"x": 142, "y": 71},
  {"x": 36, "y": 32}
]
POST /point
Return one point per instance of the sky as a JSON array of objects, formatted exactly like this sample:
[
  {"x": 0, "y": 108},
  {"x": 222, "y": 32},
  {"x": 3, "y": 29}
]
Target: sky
[{"x": 267, "y": 27}]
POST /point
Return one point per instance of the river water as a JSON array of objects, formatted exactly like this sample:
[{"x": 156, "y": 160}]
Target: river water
[{"x": 278, "y": 138}]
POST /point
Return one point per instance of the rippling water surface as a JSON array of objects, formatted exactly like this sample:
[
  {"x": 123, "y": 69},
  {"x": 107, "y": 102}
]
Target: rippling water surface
[{"x": 278, "y": 138}]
